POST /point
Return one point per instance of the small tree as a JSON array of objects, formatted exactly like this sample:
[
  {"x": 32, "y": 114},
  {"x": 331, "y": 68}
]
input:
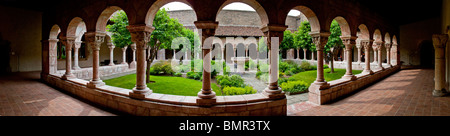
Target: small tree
[
  {"x": 288, "y": 41},
  {"x": 302, "y": 37},
  {"x": 334, "y": 42}
]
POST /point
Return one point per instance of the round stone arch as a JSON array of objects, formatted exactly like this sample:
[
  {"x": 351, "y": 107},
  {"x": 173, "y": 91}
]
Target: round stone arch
[
  {"x": 104, "y": 17},
  {"x": 387, "y": 38},
  {"x": 394, "y": 40},
  {"x": 377, "y": 37},
  {"x": 345, "y": 27},
  {"x": 54, "y": 32},
  {"x": 155, "y": 8},
  {"x": 364, "y": 32},
  {"x": 252, "y": 3},
  {"x": 311, "y": 16},
  {"x": 76, "y": 27}
]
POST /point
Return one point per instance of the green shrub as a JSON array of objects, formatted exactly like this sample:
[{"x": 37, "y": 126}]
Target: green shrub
[
  {"x": 258, "y": 74},
  {"x": 305, "y": 66},
  {"x": 294, "y": 86},
  {"x": 161, "y": 68},
  {"x": 283, "y": 66},
  {"x": 264, "y": 67},
  {"x": 238, "y": 91},
  {"x": 230, "y": 81},
  {"x": 194, "y": 75},
  {"x": 264, "y": 77},
  {"x": 177, "y": 74}
]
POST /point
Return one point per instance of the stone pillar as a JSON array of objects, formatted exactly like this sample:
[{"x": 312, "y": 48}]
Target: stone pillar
[
  {"x": 133, "y": 63},
  {"x": 367, "y": 44},
  {"x": 358, "y": 47},
  {"x": 312, "y": 56},
  {"x": 349, "y": 42},
  {"x": 140, "y": 35},
  {"x": 388, "y": 53},
  {"x": 53, "y": 60},
  {"x": 394, "y": 54},
  {"x": 274, "y": 36},
  {"x": 374, "y": 47},
  {"x": 69, "y": 43},
  {"x": 206, "y": 97},
  {"x": 95, "y": 40},
  {"x": 45, "y": 44},
  {"x": 304, "y": 54},
  {"x": 380, "y": 62},
  {"x": 76, "y": 48},
  {"x": 124, "y": 55},
  {"x": 320, "y": 40},
  {"x": 439, "y": 42},
  {"x": 111, "y": 53}
]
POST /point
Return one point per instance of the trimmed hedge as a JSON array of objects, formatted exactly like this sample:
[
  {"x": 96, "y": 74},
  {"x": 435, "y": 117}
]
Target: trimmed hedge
[
  {"x": 294, "y": 86},
  {"x": 238, "y": 91}
]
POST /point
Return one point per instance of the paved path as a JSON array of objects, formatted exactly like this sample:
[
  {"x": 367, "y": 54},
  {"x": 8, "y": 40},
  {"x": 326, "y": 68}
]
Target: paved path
[
  {"x": 406, "y": 93},
  {"x": 23, "y": 94},
  {"x": 250, "y": 79}
]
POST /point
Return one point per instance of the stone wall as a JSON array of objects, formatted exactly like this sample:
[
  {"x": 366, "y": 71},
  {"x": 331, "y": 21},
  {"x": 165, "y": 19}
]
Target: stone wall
[
  {"x": 171, "y": 105},
  {"x": 86, "y": 73}
]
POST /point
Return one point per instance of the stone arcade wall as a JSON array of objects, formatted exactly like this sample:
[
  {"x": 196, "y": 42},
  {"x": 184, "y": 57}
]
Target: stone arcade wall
[
  {"x": 171, "y": 105},
  {"x": 341, "y": 88},
  {"x": 86, "y": 73}
]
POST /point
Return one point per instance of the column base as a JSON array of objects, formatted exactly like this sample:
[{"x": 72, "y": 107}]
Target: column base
[
  {"x": 206, "y": 100},
  {"x": 76, "y": 68},
  {"x": 321, "y": 85},
  {"x": 140, "y": 94},
  {"x": 381, "y": 68},
  {"x": 112, "y": 64},
  {"x": 68, "y": 76},
  {"x": 439, "y": 93},
  {"x": 368, "y": 72},
  {"x": 349, "y": 77},
  {"x": 132, "y": 65},
  {"x": 95, "y": 84},
  {"x": 274, "y": 94}
]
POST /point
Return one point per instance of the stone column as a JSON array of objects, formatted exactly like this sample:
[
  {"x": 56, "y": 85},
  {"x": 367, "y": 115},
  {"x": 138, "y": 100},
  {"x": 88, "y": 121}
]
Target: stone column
[
  {"x": 312, "y": 56},
  {"x": 111, "y": 53},
  {"x": 95, "y": 40},
  {"x": 298, "y": 54},
  {"x": 388, "y": 53},
  {"x": 349, "y": 42},
  {"x": 358, "y": 47},
  {"x": 52, "y": 51},
  {"x": 320, "y": 40},
  {"x": 274, "y": 35},
  {"x": 133, "y": 63},
  {"x": 76, "y": 48},
  {"x": 380, "y": 62},
  {"x": 69, "y": 43},
  {"x": 206, "y": 97},
  {"x": 124, "y": 55},
  {"x": 374, "y": 47},
  {"x": 439, "y": 42},
  {"x": 367, "y": 44},
  {"x": 304, "y": 53},
  {"x": 394, "y": 54},
  {"x": 140, "y": 35}
]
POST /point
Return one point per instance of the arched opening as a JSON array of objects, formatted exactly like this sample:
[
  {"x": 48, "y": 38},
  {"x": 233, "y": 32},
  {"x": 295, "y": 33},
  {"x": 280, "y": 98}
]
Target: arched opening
[
  {"x": 53, "y": 49},
  {"x": 363, "y": 34},
  {"x": 303, "y": 21}
]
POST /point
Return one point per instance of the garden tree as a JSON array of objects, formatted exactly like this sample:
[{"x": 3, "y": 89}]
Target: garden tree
[
  {"x": 120, "y": 35},
  {"x": 166, "y": 29},
  {"x": 302, "y": 38},
  {"x": 288, "y": 41},
  {"x": 334, "y": 43}
]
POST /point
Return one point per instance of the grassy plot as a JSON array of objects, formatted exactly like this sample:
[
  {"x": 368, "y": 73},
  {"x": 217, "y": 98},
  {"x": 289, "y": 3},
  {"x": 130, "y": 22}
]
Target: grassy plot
[
  {"x": 164, "y": 85},
  {"x": 310, "y": 76}
]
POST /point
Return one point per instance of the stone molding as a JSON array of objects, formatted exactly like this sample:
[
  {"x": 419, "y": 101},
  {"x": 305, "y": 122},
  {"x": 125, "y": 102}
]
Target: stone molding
[{"x": 95, "y": 39}]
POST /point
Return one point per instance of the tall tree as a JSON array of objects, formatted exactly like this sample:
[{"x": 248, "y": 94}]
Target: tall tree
[
  {"x": 334, "y": 43},
  {"x": 302, "y": 38},
  {"x": 288, "y": 41},
  {"x": 120, "y": 35}
]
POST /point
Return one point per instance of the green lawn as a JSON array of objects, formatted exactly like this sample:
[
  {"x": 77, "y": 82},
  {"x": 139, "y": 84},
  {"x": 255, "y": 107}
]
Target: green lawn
[
  {"x": 164, "y": 85},
  {"x": 310, "y": 76}
]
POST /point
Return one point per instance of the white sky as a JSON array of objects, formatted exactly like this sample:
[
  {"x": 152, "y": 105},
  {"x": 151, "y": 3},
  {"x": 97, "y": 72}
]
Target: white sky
[{"x": 233, "y": 6}]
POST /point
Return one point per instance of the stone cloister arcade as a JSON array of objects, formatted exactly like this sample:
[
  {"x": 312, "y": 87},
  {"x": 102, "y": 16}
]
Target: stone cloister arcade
[{"x": 361, "y": 29}]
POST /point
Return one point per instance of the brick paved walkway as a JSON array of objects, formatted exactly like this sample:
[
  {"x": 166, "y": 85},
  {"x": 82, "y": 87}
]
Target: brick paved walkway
[
  {"x": 406, "y": 93},
  {"x": 23, "y": 94}
]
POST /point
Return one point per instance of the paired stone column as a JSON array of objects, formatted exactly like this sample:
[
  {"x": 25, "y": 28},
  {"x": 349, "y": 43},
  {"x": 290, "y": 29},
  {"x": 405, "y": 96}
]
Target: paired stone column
[
  {"x": 111, "y": 53},
  {"x": 140, "y": 35},
  {"x": 349, "y": 42},
  {"x": 380, "y": 62},
  {"x": 367, "y": 44},
  {"x": 133, "y": 63},
  {"x": 76, "y": 48},
  {"x": 206, "y": 97},
  {"x": 439, "y": 42},
  {"x": 69, "y": 43},
  {"x": 273, "y": 35},
  {"x": 124, "y": 55},
  {"x": 95, "y": 40},
  {"x": 320, "y": 40},
  {"x": 388, "y": 53},
  {"x": 375, "y": 48}
]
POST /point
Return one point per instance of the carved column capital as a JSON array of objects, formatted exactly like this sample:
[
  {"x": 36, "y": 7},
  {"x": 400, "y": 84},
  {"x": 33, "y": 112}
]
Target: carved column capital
[
  {"x": 366, "y": 43},
  {"x": 440, "y": 40},
  {"x": 388, "y": 45},
  {"x": 68, "y": 42},
  {"x": 320, "y": 39},
  {"x": 140, "y": 35},
  {"x": 348, "y": 41},
  {"x": 95, "y": 39}
]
